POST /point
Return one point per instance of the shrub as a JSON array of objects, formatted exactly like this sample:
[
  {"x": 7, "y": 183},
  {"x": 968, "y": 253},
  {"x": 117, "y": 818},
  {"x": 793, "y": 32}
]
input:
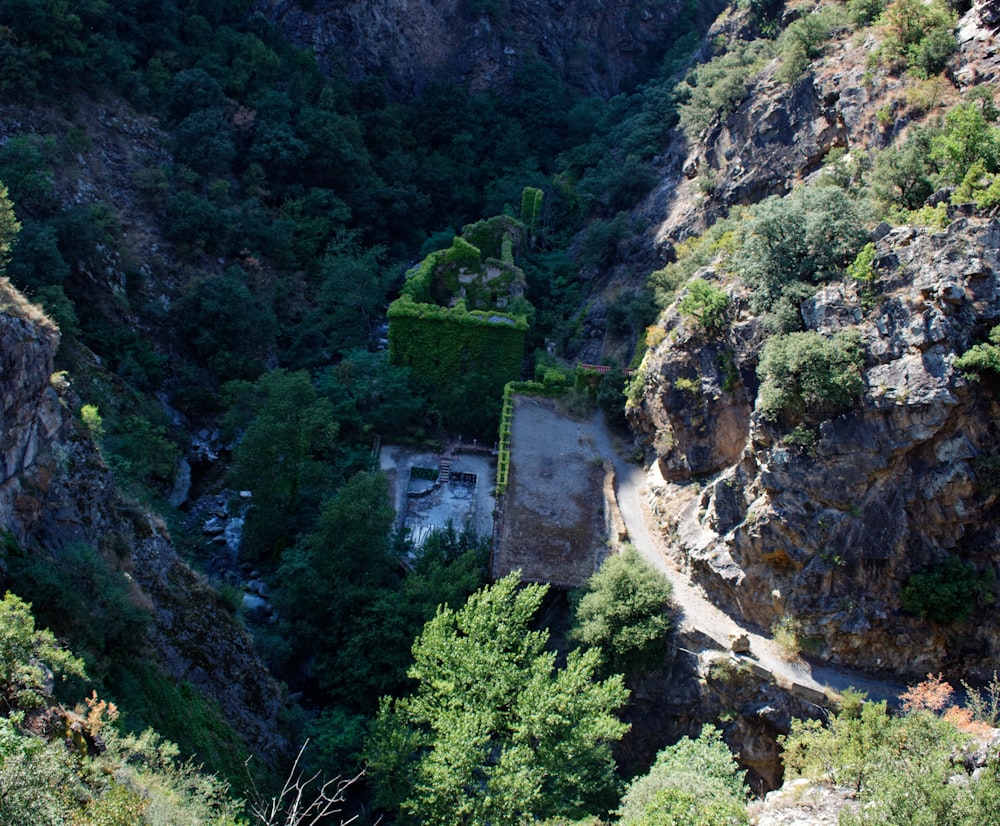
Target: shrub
[
  {"x": 624, "y": 611},
  {"x": 664, "y": 794},
  {"x": 806, "y": 237},
  {"x": 26, "y": 655},
  {"x": 864, "y": 12},
  {"x": 716, "y": 243},
  {"x": 787, "y": 633},
  {"x": 706, "y": 304},
  {"x": 804, "y": 39},
  {"x": 717, "y": 88},
  {"x": 805, "y": 374},
  {"x": 82, "y": 595},
  {"x": 946, "y": 593},
  {"x": 917, "y": 35},
  {"x": 981, "y": 358},
  {"x": 92, "y": 420}
]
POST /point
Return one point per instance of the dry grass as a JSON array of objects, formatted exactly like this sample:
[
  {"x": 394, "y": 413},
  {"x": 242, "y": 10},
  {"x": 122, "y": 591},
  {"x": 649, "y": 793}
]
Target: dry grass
[{"x": 15, "y": 303}]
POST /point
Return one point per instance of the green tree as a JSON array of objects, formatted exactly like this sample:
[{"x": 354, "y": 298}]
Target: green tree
[
  {"x": 26, "y": 655},
  {"x": 372, "y": 396},
  {"x": 706, "y": 304},
  {"x": 337, "y": 594},
  {"x": 9, "y": 227},
  {"x": 692, "y": 783},
  {"x": 903, "y": 175},
  {"x": 25, "y": 167},
  {"x": 494, "y": 732},
  {"x": 624, "y": 611},
  {"x": 918, "y": 35},
  {"x": 285, "y": 455},
  {"x": 806, "y": 374},
  {"x": 847, "y": 752},
  {"x": 806, "y": 237},
  {"x": 969, "y": 136},
  {"x": 804, "y": 40},
  {"x": 227, "y": 328}
]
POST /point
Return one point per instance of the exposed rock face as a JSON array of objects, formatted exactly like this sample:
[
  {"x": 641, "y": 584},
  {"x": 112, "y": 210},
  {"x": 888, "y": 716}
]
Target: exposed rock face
[
  {"x": 781, "y": 133},
  {"x": 692, "y": 691},
  {"x": 29, "y": 406},
  {"x": 597, "y": 46},
  {"x": 830, "y": 535},
  {"x": 55, "y": 489}
]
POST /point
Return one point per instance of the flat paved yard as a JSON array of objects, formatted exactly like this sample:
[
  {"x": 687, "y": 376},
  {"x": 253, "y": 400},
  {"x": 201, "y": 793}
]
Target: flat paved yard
[{"x": 553, "y": 522}]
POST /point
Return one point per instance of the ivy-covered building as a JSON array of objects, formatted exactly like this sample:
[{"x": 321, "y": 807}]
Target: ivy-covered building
[{"x": 462, "y": 310}]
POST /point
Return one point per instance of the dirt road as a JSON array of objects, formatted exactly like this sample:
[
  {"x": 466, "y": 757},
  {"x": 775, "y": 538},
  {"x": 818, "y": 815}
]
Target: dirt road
[{"x": 696, "y": 611}]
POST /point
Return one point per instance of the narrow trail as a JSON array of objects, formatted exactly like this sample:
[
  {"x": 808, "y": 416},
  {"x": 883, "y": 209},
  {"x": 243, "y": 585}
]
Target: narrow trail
[{"x": 697, "y": 612}]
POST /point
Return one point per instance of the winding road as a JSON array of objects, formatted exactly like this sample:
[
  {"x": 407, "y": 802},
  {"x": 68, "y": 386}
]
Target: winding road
[{"x": 697, "y": 612}]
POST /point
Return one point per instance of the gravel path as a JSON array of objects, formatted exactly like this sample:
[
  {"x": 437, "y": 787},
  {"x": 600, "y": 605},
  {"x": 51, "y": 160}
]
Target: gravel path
[{"x": 697, "y": 612}]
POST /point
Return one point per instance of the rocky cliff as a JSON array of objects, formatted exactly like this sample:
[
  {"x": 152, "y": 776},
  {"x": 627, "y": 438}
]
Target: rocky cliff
[
  {"x": 780, "y": 133},
  {"x": 823, "y": 536},
  {"x": 56, "y": 490},
  {"x": 828, "y": 534},
  {"x": 599, "y": 47}
]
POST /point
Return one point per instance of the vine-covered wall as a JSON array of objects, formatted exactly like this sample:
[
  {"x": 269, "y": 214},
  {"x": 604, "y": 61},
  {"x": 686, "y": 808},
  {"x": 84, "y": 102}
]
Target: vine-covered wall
[
  {"x": 442, "y": 344},
  {"x": 462, "y": 310}
]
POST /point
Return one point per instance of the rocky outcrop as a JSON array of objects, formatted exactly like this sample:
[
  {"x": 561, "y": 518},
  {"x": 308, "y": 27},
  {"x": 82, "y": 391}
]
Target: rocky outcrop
[
  {"x": 597, "y": 46},
  {"x": 56, "y": 490},
  {"x": 780, "y": 134},
  {"x": 713, "y": 687},
  {"x": 828, "y": 533},
  {"x": 29, "y": 406}
]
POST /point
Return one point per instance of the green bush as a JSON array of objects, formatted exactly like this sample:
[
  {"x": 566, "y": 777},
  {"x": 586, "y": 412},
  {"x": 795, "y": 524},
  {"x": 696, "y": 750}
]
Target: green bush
[
  {"x": 807, "y": 375},
  {"x": 83, "y": 596},
  {"x": 948, "y": 592},
  {"x": 981, "y": 358},
  {"x": 624, "y": 611},
  {"x": 864, "y": 12},
  {"x": 27, "y": 655},
  {"x": 917, "y": 35},
  {"x": 141, "y": 452},
  {"x": 804, "y": 39},
  {"x": 807, "y": 237},
  {"x": 706, "y": 304},
  {"x": 695, "y": 782},
  {"x": 717, "y": 88}
]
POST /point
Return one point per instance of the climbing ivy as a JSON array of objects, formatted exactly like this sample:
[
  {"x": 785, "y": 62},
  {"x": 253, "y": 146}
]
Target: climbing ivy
[{"x": 441, "y": 344}]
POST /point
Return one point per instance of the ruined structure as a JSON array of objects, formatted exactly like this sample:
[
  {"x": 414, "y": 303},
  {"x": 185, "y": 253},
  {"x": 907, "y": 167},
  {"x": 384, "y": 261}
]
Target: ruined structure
[{"x": 462, "y": 310}]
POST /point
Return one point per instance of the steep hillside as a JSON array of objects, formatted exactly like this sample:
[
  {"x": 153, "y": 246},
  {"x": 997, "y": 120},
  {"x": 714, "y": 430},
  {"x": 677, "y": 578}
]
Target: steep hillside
[
  {"x": 827, "y": 517},
  {"x": 599, "y": 47},
  {"x": 217, "y": 221},
  {"x": 59, "y": 504}
]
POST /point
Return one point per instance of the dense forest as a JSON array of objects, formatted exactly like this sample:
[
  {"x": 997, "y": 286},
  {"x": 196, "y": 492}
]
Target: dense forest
[{"x": 291, "y": 203}]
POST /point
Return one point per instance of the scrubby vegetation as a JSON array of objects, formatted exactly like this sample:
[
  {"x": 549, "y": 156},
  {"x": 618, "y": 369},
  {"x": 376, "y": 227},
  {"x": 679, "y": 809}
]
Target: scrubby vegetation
[
  {"x": 947, "y": 592},
  {"x": 693, "y": 781},
  {"x": 903, "y": 768},
  {"x": 808, "y": 374},
  {"x": 292, "y": 203}
]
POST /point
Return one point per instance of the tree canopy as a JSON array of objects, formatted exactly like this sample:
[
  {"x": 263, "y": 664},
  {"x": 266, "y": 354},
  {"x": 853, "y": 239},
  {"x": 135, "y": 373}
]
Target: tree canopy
[
  {"x": 494, "y": 731},
  {"x": 624, "y": 612}
]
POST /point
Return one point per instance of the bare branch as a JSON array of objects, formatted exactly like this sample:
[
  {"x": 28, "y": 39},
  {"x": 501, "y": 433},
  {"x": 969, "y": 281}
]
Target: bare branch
[{"x": 302, "y": 801}]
